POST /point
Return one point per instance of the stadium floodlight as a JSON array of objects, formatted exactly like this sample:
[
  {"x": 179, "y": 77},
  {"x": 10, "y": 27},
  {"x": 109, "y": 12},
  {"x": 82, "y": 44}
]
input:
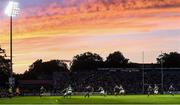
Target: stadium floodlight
[{"x": 11, "y": 10}]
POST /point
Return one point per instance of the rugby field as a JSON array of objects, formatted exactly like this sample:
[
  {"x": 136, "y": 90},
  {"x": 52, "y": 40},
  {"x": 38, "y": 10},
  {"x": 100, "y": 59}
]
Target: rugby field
[{"x": 128, "y": 99}]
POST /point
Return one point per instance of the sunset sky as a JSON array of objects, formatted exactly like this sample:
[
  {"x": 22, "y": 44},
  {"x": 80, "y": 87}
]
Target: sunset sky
[{"x": 60, "y": 29}]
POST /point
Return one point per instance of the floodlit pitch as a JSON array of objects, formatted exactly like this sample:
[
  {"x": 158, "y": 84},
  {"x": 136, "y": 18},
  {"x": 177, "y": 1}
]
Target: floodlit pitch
[{"x": 128, "y": 99}]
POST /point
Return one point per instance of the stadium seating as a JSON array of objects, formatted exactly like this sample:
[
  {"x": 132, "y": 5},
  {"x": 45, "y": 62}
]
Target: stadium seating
[{"x": 130, "y": 79}]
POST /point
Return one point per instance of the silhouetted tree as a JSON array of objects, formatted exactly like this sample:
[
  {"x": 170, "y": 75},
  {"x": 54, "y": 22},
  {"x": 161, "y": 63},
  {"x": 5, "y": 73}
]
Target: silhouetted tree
[
  {"x": 4, "y": 68},
  {"x": 169, "y": 60},
  {"x": 86, "y": 61},
  {"x": 116, "y": 60},
  {"x": 44, "y": 70}
]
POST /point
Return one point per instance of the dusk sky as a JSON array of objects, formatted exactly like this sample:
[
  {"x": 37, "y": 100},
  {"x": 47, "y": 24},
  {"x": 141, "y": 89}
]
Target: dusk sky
[{"x": 61, "y": 29}]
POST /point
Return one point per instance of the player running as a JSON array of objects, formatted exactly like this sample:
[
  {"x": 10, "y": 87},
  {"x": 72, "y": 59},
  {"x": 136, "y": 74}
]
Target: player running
[
  {"x": 149, "y": 90},
  {"x": 10, "y": 92},
  {"x": 88, "y": 89},
  {"x": 102, "y": 91},
  {"x": 171, "y": 90},
  {"x": 156, "y": 89},
  {"x": 42, "y": 91},
  {"x": 68, "y": 92},
  {"x": 116, "y": 90},
  {"x": 18, "y": 91},
  {"x": 121, "y": 90}
]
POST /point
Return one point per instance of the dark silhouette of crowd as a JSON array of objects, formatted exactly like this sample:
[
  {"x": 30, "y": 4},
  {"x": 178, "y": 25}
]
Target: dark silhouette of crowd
[{"x": 130, "y": 79}]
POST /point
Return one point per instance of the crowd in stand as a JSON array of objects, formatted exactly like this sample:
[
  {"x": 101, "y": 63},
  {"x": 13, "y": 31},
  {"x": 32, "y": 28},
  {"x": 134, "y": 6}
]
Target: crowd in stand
[{"x": 131, "y": 80}]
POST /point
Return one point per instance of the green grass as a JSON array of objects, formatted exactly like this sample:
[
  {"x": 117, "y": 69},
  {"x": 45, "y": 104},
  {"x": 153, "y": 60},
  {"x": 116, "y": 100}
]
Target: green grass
[{"x": 129, "y": 99}]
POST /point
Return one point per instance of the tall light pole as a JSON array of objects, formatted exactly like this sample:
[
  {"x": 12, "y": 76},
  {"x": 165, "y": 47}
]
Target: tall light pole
[
  {"x": 143, "y": 72},
  {"x": 162, "y": 74},
  {"x": 11, "y": 10}
]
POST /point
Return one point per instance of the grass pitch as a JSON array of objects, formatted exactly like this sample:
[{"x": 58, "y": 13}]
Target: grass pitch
[{"x": 128, "y": 99}]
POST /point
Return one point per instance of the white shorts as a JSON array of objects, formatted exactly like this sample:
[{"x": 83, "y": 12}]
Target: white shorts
[
  {"x": 102, "y": 92},
  {"x": 67, "y": 93},
  {"x": 122, "y": 91},
  {"x": 156, "y": 92}
]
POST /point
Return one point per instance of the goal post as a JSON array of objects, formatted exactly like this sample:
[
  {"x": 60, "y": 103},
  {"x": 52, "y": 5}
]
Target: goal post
[{"x": 160, "y": 76}]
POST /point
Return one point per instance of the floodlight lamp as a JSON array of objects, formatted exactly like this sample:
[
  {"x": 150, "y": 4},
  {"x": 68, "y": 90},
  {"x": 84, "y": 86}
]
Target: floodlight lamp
[{"x": 12, "y": 9}]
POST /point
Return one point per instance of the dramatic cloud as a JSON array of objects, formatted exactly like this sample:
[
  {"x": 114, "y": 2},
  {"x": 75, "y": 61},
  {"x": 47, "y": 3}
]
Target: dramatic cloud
[
  {"x": 64, "y": 28},
  {"x": 84, "y": 6}
]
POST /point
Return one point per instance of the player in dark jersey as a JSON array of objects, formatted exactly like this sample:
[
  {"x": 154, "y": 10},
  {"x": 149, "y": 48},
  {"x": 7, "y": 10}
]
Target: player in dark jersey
[
  {"x": 18, "y": 91},
  {"x": 42, "y": 91},
  {"x": 149, "y": 90},
  {"x": 10, "y": 92},
  {"x": 88, "y": 89},
  {"x": 116, "y": 90},
  {"x": 171, "y": 90}
]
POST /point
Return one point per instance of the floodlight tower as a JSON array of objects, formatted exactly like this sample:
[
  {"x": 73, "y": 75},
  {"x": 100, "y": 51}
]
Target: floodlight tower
[
  {"x": 11, "y": 10},
  {"x": 143, "y": 72},
  {"x": 162, "y": 73}
]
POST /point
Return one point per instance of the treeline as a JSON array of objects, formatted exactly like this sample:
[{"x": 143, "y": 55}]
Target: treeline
[
  {"x": 82, "y": 62},
  {"x": 91, "y": 61}
]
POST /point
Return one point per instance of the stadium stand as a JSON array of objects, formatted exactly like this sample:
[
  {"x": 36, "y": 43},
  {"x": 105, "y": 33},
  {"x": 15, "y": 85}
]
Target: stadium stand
[{"x": 129, "y": 78}]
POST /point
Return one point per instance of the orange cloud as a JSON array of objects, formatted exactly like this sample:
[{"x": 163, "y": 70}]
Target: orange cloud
[
  {"x": 144, "y": 19},
  {"x": 61, "y": 32}
]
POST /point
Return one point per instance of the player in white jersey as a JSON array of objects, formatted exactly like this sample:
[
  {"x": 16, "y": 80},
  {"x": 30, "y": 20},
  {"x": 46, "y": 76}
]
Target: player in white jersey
[
  {"x": 121, "y": 90},
  {"x": 156, "y": 89},
  {"x": 68, "y": 92},
  {"x": 102, "y": 91},
  {"x": 42, "y": 91}
]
